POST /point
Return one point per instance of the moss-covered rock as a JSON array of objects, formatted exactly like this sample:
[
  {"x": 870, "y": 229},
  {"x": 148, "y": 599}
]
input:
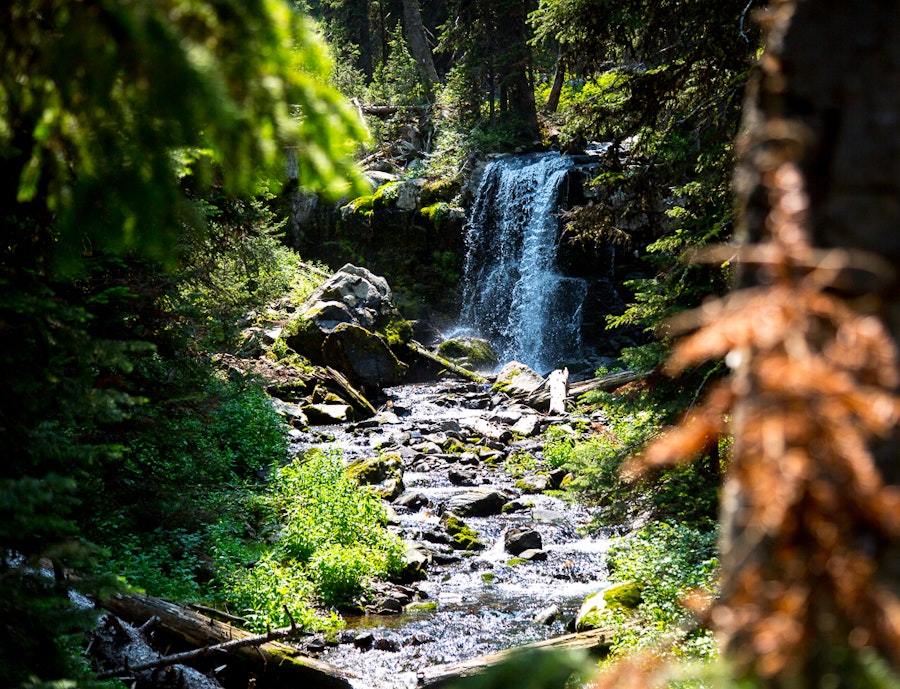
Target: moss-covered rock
[
  {"x": 627, "y": 595},
  {"x": 372, "y": 470},
  {"x": 471, "y": 352},
  {"x": 464, "y": 537},
  {"x": 362, "y": 356}
]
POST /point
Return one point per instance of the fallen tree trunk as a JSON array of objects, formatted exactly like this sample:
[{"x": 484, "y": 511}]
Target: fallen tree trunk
[
  {"x": 447, "y": 364},
  {"x": 596, "y": 640},
  {"x": 273, "y": 658},
  {"x": 541, "y": 398}
]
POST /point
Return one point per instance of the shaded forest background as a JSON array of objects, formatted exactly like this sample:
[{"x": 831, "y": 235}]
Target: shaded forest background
[{"x": 144, "y": 216}]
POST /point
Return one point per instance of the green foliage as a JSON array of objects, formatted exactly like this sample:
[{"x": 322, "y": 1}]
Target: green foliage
[
  {"x": 236, "y": 265},
  {"x": 398, "y": 81},
  {"x": 96, "y": 98},
  {"x": 670, "y": 561}
]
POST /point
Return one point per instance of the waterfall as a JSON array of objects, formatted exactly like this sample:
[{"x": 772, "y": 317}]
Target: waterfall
[{"x": 513, "y": 292}]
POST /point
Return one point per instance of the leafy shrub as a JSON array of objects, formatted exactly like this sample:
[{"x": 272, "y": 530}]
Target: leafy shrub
[{"x": 671, "y": 562}]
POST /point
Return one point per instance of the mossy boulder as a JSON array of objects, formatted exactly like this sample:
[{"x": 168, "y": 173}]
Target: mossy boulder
[
  {"x": 464, "y": 537},
  {"x": 471, "y": 352},
  {"x": 362, "y": 356},
  {"x": 627, "y": 595},
  {"x": 373, "y": 470}
]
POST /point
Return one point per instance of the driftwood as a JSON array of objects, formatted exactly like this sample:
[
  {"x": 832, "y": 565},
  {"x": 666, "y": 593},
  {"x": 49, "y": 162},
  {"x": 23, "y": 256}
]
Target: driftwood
[
  {"x": 356, "y": 398},
  {"x": 117, "y": 643},
  {"x": 557, "y": 386},
  {"x": 596, "y": 640},
  {"x": 271, "y": 658},
  {"x": 540, "y": 399},
  {"x": 446, "y": 363}
]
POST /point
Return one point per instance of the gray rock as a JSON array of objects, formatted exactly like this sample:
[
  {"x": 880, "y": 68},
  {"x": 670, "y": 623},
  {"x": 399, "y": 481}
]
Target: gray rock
[
  {"x": 533, "y": 554},
  {"x": 462, "y": 478},
  {"x": 412, "y": 501},
  {"x": 548, "y": 615},
  {"x": 515, "y": 377},
  {"x": 327, "y": 413},
  {"x": 527, "y": 426},
  {"x": 479, "y": 502},
  {"x": 518, "y": 540}
]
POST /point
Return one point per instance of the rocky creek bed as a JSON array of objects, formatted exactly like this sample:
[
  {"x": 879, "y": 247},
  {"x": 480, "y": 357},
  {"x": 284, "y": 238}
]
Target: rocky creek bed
[{"x": 494, "y": 561}]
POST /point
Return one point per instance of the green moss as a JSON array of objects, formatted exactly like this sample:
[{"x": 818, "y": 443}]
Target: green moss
[
  {"x": 516, "y": 561},
  {"x": 474, "y": 352},
  {"x": 375, "y": 469},
  {"x": 627, "y": 595},
  {"x": 398, "y": 331},
  {"x": 426, "y": 606},
  {"x": 488, "y": 577},
  {"x": 464, "y": 537}
]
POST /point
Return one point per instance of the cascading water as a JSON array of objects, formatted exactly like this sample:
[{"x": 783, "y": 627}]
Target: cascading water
[{"x": 513, "y": 292}]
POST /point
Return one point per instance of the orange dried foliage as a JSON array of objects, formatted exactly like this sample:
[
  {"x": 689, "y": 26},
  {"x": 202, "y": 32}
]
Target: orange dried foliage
[{"x": 814, "y": 384}]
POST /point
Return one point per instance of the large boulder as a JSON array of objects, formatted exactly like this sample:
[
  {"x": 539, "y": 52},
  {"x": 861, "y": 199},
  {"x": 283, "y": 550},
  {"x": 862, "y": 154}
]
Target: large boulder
[
  {"x": 516, "y": 378},
  {"x": 471, "y": 352},
  {"x": 353, "y": 296},
  {"x": 362, "y": 356}
]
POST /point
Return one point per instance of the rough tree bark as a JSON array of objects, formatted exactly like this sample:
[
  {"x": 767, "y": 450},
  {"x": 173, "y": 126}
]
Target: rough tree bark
[
  {"x": 825, "y": 99},
  {"x": 418, "y": 41}
]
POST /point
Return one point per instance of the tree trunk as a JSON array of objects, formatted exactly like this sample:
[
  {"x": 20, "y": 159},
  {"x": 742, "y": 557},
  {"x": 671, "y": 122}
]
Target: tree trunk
[
  {"x": 825, "y": 101},
  {"x": 418, "y": 42},
  {"x": 559, "y": 78},
  {"x": 273, "y": 659}
]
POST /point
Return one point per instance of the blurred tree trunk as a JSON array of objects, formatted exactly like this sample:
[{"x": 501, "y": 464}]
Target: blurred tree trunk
[{"x": 825, "y": 99}]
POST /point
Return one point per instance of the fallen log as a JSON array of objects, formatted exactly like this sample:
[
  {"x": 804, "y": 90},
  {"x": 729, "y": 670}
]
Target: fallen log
[
  {"x": 446, "y": 363},
  {"x": 272, "y": 658},
  {"x": 486, "y": 429},
  {"x": 597, "y": 641},
  {"x": 540, "y": 399}
]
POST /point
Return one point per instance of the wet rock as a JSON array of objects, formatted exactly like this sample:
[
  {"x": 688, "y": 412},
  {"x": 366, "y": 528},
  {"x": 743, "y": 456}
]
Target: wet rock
[
  {"x": 315, "y": 645},
  {"x": 470, "y": 352},
  {"x": 517, "y": 505},
  {"x": 483, "y": 501},
  {"x": 469, "y": 459},
  {"x": 386, "y": 417},
  {"x": 364, "y": 640},
  {"x": 412, "y": 501},
  {"x": 372, "y": 470},
  {"x": 327, "y": 413},
  {"x": 416, "y": 560},
  {"x": 590, "y": 613},
  {"x": 462, "y": 478},
  {"x": 548, "y": 615},
  {"x": 533, "y": 484},
  {"x": 387, "y": 644},
  {"x": 533, "y": 555},
  {"x": 518, "y": 540},
  {"x": 420, "y": 639},
  {"x": 462, "y": 535}
]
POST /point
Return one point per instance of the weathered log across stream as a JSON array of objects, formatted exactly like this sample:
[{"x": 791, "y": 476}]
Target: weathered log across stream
[{"x": 277, "y": 660}]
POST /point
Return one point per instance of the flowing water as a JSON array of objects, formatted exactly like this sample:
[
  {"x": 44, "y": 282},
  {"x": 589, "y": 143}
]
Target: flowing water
[
  {"x": 514, "y": 294},
  {"x": 479, "y": 603}
]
